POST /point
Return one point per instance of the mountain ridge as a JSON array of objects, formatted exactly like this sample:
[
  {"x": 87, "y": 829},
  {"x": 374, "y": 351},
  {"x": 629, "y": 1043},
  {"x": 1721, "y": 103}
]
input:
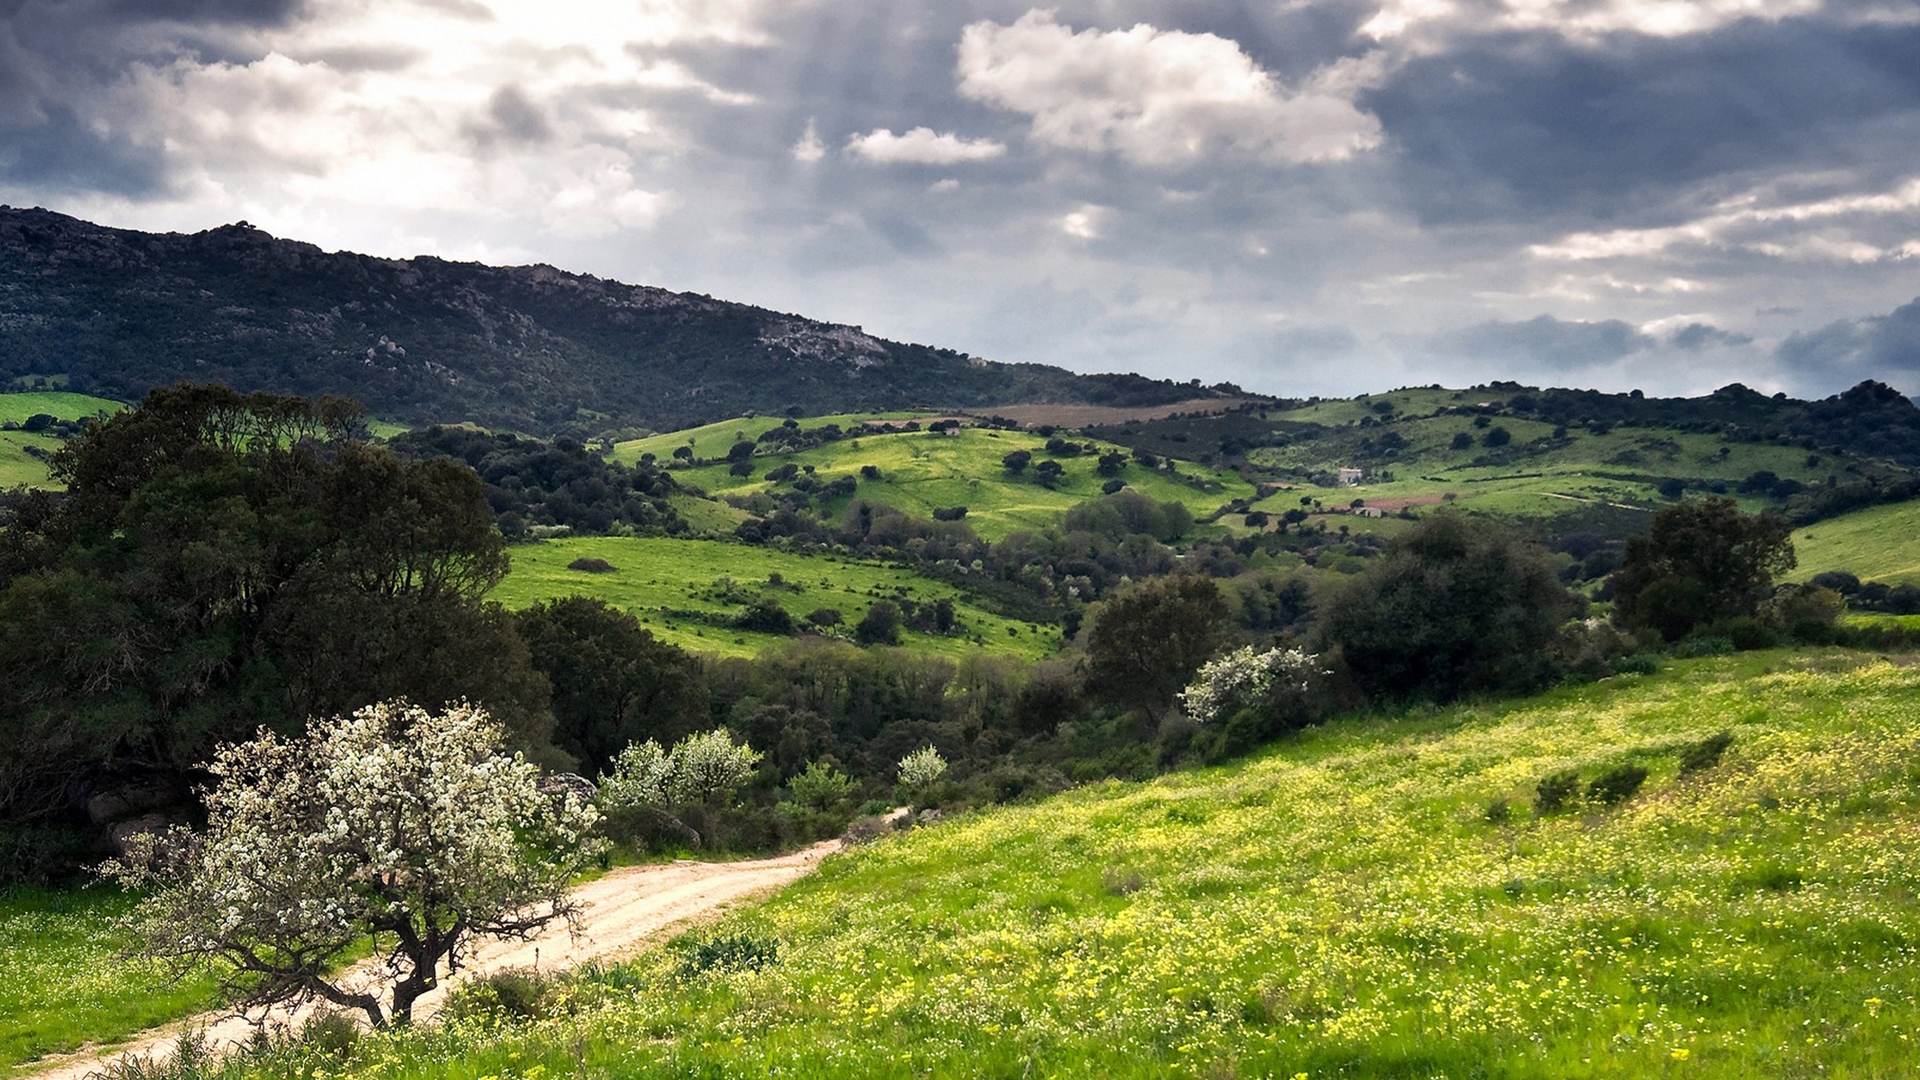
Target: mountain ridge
[{"x": 423, "y": 340}]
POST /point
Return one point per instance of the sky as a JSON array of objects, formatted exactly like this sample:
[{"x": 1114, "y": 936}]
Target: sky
[{"x": 1300, "y": 196}]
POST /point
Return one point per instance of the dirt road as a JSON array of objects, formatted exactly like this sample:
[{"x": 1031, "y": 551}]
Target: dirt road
[{"x": 624, "y": 910}]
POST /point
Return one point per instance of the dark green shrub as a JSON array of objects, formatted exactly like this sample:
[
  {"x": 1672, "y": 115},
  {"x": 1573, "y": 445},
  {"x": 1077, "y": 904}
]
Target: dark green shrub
[
  {"x": 514, "y": 994},
  {"x": 591, "y": 566},
  {"x": 330, "y": 1032},
  {"x": 1705, "y": 754},
  {"x": 1748, "y": 633},
  {"x": 1499, "y": 812},
  {"x": 1644, "y": 663},
  {"x": 732, "y": 952},
  {"x": 1703, "y": 646},
  {"x": 1555, "y": 790},
  {"x": 1616, "y": 785}
]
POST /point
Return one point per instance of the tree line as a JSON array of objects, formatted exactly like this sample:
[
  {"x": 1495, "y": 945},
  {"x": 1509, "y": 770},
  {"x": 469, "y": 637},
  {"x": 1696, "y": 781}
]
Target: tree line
[{"x": 222, "y": 563}]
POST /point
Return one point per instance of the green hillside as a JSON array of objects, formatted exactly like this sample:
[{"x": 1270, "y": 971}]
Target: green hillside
[
  {"x": 925, "y": 470},
  {"x": 684, "y": 591},
  {"x": 1881, "y": 543},
  {"x": 1344, "y": 904},
  {"x": 17, "y": 465}
]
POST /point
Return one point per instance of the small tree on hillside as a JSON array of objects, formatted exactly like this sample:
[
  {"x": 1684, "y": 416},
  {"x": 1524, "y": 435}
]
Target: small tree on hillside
[
  {"x": 1149, "y": 638},
  {"x": 700, "y": 774},
  {"x": 397, "y": 823},
  {"x": 1699, "y": 563}
]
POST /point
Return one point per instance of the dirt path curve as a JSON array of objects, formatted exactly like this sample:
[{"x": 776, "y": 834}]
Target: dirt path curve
[{"x": 622, "y": 911}]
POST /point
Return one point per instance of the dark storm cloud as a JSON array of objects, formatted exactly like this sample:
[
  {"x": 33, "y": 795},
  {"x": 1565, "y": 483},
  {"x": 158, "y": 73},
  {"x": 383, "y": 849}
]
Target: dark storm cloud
[
  {"x": 1885, "y": 347},
  {"x": 1535, "y": 126},
  {"x": 1546, "y": 342},
  {"x": 56, "y": 56},
  {"x": 1696, "y": 336},
  {"x": 510, "y": 117},
  {"x": 60, "y": 152}
]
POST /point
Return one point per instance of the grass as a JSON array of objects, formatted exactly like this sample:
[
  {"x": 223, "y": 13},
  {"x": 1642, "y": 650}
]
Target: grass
[
  {"x": 1342, "y": 905},
  {"x": 713, "y": 440},
  {"x": 61, "y": 985},
  {"x": 922, "y": 471},
  {"x": 670, "y": 584},
  {"x": 1877, "y": 544},
  {"x": 17, "y": 466}
]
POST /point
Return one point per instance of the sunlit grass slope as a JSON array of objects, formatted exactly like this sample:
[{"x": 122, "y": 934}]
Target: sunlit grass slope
[
  {"x": 61, "y": 985},
  {"x": 1880, "y": 543},
  {"x": 16, "y": 465},
  {"x": 1342, "y": 906},
  {"x": 676, "y": 588},
  {"x": 925, "y": 470}
]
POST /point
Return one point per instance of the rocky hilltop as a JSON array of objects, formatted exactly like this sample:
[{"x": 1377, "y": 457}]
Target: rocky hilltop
[{"x": 425, "y": 340}]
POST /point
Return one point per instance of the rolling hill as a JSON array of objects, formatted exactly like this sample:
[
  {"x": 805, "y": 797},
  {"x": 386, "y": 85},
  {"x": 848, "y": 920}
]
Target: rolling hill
[
  {"x": 115, "y": 312},
  {"x": 1373, "y": 898}
]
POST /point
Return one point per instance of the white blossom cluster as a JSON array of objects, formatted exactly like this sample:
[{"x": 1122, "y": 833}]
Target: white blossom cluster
[
  {"x": 1247, "y": 679},
  {"x": 701, "y": 769},
  {"x": 921, "y": 768},
  {"x": 394, "y": 821}
]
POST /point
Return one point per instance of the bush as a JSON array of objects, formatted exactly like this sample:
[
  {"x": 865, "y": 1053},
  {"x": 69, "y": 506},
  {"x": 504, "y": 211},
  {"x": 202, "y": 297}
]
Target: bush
[
  {"x": 1555, "y": 791},
  {"x": 592, "y": 566},
  {"x": 880, "y": 625},
  {"x": 732, "y": 952},
  {"x": 513, "y": 994},
  {"x": 1706, "y": 753},
  {"x": 330, "y": 1032},
  {"x": 1616, "y": 785},
  {"x": 1499, "y": 812},
  {"x": 1695, "y": 647},
  {"x": 1644, "y": 663}
]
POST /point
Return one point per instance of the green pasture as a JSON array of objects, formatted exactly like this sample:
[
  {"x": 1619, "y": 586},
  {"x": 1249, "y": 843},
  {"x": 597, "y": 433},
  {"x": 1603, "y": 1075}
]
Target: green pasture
[
  {"x": 1374, "y": 898},
  {"x": 922, "y": 471},
  {"x": 678, "y": 589},
  {"x": 61, "y": 984},
  {"x": 17, "y": 466},
  {"x": 1880, "y": 543},
  {"x": 714, "y": 440}
]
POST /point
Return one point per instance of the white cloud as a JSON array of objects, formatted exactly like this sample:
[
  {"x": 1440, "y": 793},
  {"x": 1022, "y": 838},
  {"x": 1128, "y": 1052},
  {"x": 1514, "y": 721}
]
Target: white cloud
[
  {"x": 1084, "y": 223},
  {"x": 1579, "y": 19},
  {"x": 922, "y": 146},
  {"x": 809, "y": 149},
  {"x": 1778, "y": 230},
  {"x": 1158, "y": 97}
]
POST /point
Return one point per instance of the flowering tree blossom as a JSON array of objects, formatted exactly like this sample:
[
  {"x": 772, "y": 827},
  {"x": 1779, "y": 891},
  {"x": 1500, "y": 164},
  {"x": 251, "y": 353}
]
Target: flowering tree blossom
[
  {"x": 1245, "y": 679},
  {"x": 703, "y": 770},
  {"x": 407, "y": 825},
  {"x": 920, "y": 769}
]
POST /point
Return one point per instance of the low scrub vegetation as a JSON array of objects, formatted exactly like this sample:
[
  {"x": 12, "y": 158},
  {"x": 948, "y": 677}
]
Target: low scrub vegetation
[{"x": 1340, "y": 905}]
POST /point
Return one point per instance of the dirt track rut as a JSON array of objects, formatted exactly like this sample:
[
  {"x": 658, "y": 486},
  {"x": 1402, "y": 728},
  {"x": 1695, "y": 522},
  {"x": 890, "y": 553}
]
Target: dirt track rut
[{"x": 621, "y": 912}]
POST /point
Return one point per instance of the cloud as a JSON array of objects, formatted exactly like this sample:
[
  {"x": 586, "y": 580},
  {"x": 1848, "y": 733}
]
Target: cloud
[
  {"x": 1546, "y": 341},
  {"x": 511, "y": 117},
  {"x": 809, "y": 148},
  {"x": 1577, "y": 19},
  {"x": 1698, "y": 335},
  {"x": 1883, "y": 347},
  {"x": 1777, "y": 230},
  {"x": 922, "y": 146},
  {"x": 1156, "y": 97}
]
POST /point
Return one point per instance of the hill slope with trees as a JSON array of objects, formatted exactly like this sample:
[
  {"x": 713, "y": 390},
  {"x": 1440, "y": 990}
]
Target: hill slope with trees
[{"x": 424, "y": 340}]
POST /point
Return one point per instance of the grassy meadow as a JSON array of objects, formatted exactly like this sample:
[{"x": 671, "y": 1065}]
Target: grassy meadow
[
  {"x": 1374, "y": 898},
  {"x": 679, "y": 590},
  {"x": 924, "y": 470},
  {"x": 17, "y": 467},
  {"x": 61, "y": 985},
  {"x": 1877, "y": 544}
]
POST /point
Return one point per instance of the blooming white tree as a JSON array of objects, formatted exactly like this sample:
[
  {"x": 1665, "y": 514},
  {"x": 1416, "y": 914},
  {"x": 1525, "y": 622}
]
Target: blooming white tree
[
  {"x": 409, "y": 826},
  {"x": 701, "y": 771},
  {"x": 919, "y": 770},
  {"x": 1245, "y": 679}
]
